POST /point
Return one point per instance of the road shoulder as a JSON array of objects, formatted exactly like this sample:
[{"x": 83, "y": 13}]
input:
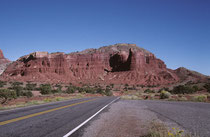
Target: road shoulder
[{"x": 124, "y": 118}]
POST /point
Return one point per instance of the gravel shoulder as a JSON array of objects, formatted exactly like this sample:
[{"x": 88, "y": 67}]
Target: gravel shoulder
[
  {"x": 125, "y": 118},
  {"x": 133, "y": 118}
]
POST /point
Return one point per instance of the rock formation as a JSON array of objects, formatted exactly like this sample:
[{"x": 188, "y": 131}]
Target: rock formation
[
  {"x": 186, "y": 75},
  {"x": 116, "y": 64},
  {"x": 2, "y": 58},
  {"x": 3, "y": 62}
]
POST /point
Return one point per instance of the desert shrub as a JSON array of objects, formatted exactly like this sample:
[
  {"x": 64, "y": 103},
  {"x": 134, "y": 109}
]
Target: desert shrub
[
  {"x": 126, "y": 87},
  {"x": 17, "y": 83},
  {"x": 183, "y": 89},
  {"x": 164, "y": 88},
  {"x": 58, "y": 86},
  {"x": 55, "y": 91},
  {"x": 112, "y": 85},
  {"x": 195, "y": 88},
  {"x": 81, "y": 90},
  {"x": 100, "y": 90},
  {"x": 90, "y": 90},
  {"x": 151, "y": 86},
  {"x": 207, "y": 86},
  {"x": 45, "y": 89},
  {"x": 70, "y": 89},
  {"x": 200, "y": 98},
  {"x": 86, "y": 89},
  {"x": 108, "y": 92},
  {"x": 58, "y": 89},
  {"x": 16, "y": 86},
  {"x": 149, "y": 91},
  {"x": 6, "y": 94},
  {"x": 27, "y": 94},
  {"x": 164, "y": 94},
  {"x": 30, "y": 86},
  {"x": 2, "y": 83}
]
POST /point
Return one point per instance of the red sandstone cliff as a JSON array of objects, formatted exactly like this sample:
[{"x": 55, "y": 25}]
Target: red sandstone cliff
[
  {"x": 3, "y": 62},
  {"x": 2, "y": 58},
  {"x": 117, "y": 64}
]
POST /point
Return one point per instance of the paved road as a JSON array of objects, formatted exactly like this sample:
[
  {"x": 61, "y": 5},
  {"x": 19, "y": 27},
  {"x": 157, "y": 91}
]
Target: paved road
[
  {"x": 194, "y": 117},
  {"x": 49, "y": 120}
]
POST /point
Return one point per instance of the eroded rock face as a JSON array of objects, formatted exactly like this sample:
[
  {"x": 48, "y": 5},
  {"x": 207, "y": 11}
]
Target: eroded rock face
[
  {"x": 3, "y": 62},
  {"x": 2, "y": 58},
  {"x": 1, "y": 54},
  {"x": 117, "y": 64}
]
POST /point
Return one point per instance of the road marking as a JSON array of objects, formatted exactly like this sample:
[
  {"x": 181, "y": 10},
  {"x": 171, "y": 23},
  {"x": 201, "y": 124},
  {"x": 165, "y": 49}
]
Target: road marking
[
  {"x": 83, "y": 123},
  {"x": 45, "y": 104},
  {"x": 40, "y": 113}
]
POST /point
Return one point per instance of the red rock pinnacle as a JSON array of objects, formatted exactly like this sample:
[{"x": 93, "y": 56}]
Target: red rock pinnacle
[{"x": 1, "y": 54}]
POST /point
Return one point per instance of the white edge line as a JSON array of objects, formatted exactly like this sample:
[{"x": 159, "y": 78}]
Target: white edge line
[{"x": 83, "y": 123}]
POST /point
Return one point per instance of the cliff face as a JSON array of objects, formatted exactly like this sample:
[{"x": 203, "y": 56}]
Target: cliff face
[
  {"x": 1, "y": 54},
  {"x": 117, "y": 64},
  {"x": 2, "y": 58},
  {"x": 3, "y": 62}
]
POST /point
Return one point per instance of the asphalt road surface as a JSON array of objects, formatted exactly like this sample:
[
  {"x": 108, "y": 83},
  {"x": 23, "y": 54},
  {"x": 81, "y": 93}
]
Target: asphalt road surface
[
  {"x": 49, "y": 120},
  {"x": 58, "y": 119},
  {"x": 192, "y": 116}
]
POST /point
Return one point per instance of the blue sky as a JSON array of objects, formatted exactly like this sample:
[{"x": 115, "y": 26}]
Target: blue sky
[{"x": 176, "y": 31}]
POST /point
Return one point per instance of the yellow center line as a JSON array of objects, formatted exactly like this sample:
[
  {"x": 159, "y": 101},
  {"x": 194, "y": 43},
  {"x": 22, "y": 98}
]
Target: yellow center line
[{"x": 40, "y": 113}]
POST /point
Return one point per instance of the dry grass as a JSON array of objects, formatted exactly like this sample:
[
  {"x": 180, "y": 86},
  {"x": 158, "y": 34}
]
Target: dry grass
[
  {"x": 160, "y": 130},
  {"x": 197, "y": 97}
]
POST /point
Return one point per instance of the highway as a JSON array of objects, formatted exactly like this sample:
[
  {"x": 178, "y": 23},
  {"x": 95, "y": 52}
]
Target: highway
[
  {"x": 50, "y": 120},
  {"x": 72, "y": 117}
]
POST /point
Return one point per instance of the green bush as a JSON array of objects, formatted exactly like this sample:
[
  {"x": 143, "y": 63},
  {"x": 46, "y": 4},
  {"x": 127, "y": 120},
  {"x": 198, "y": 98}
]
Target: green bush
[
  {"x": 45, "y": 89},
  {"x": 55, "y": 91},
  {"x": 207, "y": 86},
  {"x": 126, "y": 87},
  {"x": 164, "y": 94},
  {"x": 7, "y": 94},
  {"x": 30, "y": 86},
  {"x": 184, "y": 89},
  {"x": 149, "y": 91},
  {"x": 28, "y": 94},
  {"x": 108, "y": 92},
  {"x": 2, "y": 83},
  {"x": 195, "y": 88},
  {"x": 70, "y": 89},
  {"x": 17, "y": 83},
  {"x": 89, "y": 90},
  {"x": 100, "y": 91},
  {"x": 81, "y": 90},
  {"x": 200, "y": 98},
  {"x": 58, "y": 89},
  {"x": 16, "y": 86}
]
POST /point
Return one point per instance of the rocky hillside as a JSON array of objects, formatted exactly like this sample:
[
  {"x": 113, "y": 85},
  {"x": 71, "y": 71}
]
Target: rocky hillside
[
  {"x": 186, "y": 75},
  {"x": 114, "y": 64}
]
